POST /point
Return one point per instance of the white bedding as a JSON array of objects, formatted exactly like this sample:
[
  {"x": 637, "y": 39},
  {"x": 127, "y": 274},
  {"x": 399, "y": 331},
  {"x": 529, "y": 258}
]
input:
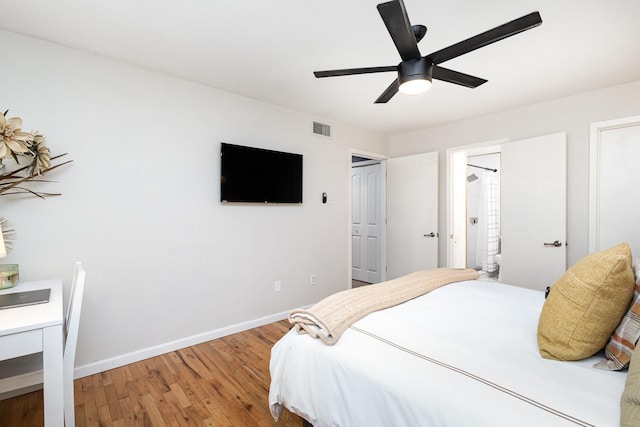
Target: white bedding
[{"x": 462, "y": 355}]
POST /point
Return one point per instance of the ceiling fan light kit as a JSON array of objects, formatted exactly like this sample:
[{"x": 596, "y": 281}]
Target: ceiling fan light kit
[
  {"x": 414, "y": 76},
  {"x": 415, "y": 72}
]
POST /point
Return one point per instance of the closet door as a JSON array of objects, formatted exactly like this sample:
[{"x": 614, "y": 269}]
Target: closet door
[
  {"x": 614, "y": 193},
  {"x": 412, "y": 214},
  {"x": 366, "y": 223},
  {"x": 534, "y": 211}
]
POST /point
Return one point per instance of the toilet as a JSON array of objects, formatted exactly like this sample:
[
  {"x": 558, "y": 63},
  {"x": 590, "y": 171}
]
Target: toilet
[{"x": 499, "y": 262}]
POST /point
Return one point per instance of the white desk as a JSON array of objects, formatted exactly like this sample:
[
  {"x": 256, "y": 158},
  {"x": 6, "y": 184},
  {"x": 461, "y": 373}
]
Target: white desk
[{"x": 33, "y": 329}]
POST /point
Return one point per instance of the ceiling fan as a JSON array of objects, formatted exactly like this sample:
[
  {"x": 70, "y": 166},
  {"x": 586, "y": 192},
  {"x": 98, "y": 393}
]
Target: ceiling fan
[{"x": 415, "y": 71}]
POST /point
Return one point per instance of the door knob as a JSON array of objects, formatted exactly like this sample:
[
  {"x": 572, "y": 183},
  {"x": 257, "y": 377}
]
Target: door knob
[
  {"x": 432, "y": 234},
  {"x": 556, "y": 244}
]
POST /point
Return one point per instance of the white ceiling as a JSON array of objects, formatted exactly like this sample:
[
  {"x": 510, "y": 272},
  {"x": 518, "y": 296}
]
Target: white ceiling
[{"x": 267, "y": 50}]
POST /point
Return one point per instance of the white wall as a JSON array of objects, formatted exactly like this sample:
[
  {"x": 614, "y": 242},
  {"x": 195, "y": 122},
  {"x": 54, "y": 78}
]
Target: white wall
[
  {"x": 572, "y": 115},
  {"x": 140, "y": 207}
]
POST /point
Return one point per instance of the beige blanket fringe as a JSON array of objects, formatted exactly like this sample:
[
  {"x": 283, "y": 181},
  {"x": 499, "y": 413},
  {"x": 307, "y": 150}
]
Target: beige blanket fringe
[{"x": 329, "y": 318}]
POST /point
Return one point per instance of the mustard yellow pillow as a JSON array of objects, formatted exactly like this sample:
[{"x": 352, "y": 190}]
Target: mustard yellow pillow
[{"x": 586, "y": 305}]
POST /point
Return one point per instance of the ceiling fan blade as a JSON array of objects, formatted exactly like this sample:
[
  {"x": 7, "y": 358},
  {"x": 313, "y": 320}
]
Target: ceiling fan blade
[
  {"x": 496, "y": 34},
  {"x": 351, "y": 71},
  {"x": 395, "y": 17},
  {"x": 388, "y": 93},
  {"x": 456, "y": 77}
]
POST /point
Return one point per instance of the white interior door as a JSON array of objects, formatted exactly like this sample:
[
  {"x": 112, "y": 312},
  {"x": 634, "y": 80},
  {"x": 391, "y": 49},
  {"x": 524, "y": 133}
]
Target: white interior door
[
  {"x": 366, "y": 214},
  {"x": 457, "y": 256},
  {"x": 412, "y": 214},
  {"x": 534, "y": 211},
  {"x": 614, "y": 194}
]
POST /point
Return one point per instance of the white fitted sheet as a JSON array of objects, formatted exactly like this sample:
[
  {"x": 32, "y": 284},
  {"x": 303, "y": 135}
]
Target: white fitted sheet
[{"x": 463, "y": 355}]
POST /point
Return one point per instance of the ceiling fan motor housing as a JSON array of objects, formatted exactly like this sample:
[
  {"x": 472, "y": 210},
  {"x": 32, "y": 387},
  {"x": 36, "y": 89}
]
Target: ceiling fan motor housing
[{"x": 415, "y": 69}]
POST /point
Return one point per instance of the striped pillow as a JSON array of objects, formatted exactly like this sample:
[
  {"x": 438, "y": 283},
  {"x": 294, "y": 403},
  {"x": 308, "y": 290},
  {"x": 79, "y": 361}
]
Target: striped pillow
[
  {"x": 630, "y": 400},
  {"x": 623, "y": 341}
]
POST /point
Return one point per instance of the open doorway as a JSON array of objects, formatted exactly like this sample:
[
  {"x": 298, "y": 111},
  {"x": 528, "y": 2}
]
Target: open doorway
[
  {"x": 473, "y": 204},
  {"x": 532, "y": 208},
  {"x": 483, "y": 213},
  {"x": 367, "y": 214}
]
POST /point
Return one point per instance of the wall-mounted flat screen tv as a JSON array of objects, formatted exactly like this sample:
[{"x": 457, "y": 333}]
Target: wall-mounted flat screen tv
[{"x": 256, "y": 175}]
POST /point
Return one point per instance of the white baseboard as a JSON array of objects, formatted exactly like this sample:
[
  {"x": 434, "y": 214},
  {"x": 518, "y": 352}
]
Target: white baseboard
[
  {"x": 20, "y": 384},
  {"x": 136, "y": 356},
  {"x": 20, "y": 391}
]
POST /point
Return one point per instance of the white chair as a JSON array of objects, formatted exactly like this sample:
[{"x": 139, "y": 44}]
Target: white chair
[{"x": 26, "y": 372}]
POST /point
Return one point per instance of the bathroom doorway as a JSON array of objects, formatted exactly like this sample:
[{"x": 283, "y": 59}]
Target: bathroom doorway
[
  {"x": 466, "y": 225},
  {"x": 483, "y": 212},
  {"x": 532, "y": 208}
]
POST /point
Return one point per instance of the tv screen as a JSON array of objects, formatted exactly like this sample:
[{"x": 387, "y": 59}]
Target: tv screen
[{"x": 256, "y": 175}]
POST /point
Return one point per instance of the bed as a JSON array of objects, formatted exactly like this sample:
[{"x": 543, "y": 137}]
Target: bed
[{"x": 464, "y": 354}]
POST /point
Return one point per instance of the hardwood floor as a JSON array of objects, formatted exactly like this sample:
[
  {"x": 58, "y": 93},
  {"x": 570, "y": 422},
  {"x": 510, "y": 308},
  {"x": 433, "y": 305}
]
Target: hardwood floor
[
  {"x": 224, "y": 382},
  {"x": 358, "y": 283}
]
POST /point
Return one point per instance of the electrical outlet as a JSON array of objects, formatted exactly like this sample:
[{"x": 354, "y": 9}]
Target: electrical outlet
[
  {"x": 278, "y": 286},
  {"x": 312, "y": 279}
]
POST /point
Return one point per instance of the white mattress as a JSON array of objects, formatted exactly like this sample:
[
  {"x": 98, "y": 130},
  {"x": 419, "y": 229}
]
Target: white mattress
[{"x": 463, "y": 355}]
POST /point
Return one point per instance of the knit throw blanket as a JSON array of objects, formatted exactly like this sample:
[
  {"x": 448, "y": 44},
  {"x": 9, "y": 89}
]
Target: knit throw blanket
[{"x": 329, "y": 318}]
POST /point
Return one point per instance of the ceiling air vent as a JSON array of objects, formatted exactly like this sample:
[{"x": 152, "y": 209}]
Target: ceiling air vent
[{"x": 321, "y": 129}]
